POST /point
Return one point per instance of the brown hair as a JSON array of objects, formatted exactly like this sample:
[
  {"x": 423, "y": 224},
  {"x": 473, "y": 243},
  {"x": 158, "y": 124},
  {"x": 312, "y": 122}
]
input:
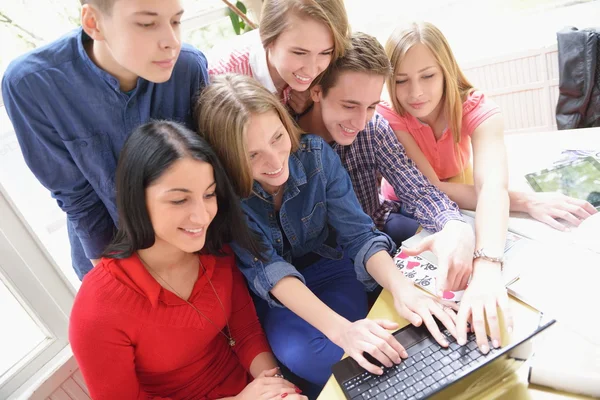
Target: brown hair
[
  {"x": 332, "y": 13},
  {"x": 103, "y": 5},
  {"x": 456, "y": 86},
  {"x": 222, "y": 113},
  {"x": 365, "y": 54}
]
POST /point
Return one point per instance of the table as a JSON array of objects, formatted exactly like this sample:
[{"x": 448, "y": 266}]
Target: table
[{"x": 542, "y": 280}]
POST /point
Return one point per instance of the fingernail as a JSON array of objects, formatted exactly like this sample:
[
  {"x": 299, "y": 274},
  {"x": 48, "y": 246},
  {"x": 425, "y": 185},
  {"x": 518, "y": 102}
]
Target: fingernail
[
  {"x": 380, "y": 372},
  {"x": 495, "y": 343},
  {"x": 484, "y": 348},
  {"x": 283, "y": 395},
  {"x": 462, "y": 341},
  {"x": 298, "y": 390},
  {"x": 404, "y": 354},
  {"x": 445, "y": 343}
]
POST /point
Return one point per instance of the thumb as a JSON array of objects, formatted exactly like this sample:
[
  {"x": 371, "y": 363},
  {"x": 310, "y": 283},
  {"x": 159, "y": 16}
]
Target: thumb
[
  {"x": 422, "y": 246},
  {"x": 387, "y": 324}
]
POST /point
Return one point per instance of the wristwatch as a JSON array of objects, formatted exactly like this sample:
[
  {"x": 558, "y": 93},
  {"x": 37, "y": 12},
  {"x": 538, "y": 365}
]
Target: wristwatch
[{"x": 480, "y": 253}]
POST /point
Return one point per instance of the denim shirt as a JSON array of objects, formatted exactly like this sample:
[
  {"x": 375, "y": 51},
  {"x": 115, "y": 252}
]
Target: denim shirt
[
  {"x": 317, "y": 195},
  {"x": 71, "y": 120}
]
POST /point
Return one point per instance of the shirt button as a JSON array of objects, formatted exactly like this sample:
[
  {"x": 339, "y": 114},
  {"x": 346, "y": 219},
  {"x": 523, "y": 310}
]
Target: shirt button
[
  {"x": 271, "y": 215},
  {"x": 255, "y": 259},
  {"x": 304, "y": 145},
  {"x": 83, "y": 144},
  {"x": 278, "y": 240}
]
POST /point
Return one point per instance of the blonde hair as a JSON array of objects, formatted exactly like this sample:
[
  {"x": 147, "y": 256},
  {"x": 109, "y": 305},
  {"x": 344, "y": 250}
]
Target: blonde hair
[
  {"x": 274, "y": 20},
  {"x": 223, "y": 111},
  {"x": 456, "y": 86},
  {"x": 366, "y": 55}
]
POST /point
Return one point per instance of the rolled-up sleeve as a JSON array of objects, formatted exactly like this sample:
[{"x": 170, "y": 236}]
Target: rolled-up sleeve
[
  {"x": 430, "y": 206},
  {"x": 263, "y": 275}
]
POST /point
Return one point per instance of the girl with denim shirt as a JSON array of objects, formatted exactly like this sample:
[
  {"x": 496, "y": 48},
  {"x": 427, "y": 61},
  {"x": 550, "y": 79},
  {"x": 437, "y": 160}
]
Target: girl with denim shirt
[{"x": 299, "y": 201}]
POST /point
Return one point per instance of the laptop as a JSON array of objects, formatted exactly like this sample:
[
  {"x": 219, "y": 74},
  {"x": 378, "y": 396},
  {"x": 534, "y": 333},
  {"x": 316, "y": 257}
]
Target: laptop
[{"x": 429, "y": 369}]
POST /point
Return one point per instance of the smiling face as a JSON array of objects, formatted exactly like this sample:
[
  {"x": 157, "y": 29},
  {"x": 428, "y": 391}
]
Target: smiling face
[
  {"x": 140, "y": 38},
  {"x": 181, "y": 203},
  {"x": 420, "y": 83},
  {"x": 268, "y": 144},
  {"x": 349, "y": 104},
  {"x": 301, "y": 52}
]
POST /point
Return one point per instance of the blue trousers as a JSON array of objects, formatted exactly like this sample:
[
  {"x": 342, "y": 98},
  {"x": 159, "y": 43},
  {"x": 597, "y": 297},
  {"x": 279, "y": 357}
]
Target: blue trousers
[
  {"x": 400, "y": 226},
  {"x": 299, "y": 346}
]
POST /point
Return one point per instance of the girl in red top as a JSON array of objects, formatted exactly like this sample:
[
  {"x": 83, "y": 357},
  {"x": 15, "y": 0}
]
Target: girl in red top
[
  {"x": 440, "y": 119},
  {"x": 166, "y": 314}
]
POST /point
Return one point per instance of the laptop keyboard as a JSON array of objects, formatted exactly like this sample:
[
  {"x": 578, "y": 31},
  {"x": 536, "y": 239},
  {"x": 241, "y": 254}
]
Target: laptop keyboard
[{"x": 427, "y": 368}]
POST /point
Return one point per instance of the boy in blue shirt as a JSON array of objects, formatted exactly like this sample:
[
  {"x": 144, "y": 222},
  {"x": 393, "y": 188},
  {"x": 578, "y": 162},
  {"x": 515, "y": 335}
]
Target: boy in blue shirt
[{"x": 74, "y": 102}]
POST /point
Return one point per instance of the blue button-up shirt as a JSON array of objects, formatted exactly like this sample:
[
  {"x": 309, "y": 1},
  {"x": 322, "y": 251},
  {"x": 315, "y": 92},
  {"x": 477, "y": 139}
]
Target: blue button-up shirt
[
  {"x": 318, "y": 195},
  {"x": 71, "y": 120}
]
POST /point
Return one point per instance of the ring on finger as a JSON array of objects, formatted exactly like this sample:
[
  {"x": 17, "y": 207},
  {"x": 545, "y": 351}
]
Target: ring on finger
[{"x": 278, "y": 375}]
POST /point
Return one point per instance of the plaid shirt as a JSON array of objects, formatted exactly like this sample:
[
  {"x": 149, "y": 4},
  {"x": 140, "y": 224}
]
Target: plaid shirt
[{"x": 376, "y": 150}]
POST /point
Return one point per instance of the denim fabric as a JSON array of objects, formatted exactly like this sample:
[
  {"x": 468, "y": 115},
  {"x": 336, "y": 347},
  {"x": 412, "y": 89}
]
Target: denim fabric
[
  {"x": 317, "y": 196},
  {"x": 303, "y": 349},
  {"x": 71, "y": 120}
]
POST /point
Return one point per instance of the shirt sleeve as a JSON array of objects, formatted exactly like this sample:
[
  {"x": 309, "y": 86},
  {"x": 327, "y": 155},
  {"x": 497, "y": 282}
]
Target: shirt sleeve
[
  {"x": 262, "y": 275},
  {"x": 236, "y": 62},
  {"x": 356, "y": 231},
  {"x": 430, "y": 206},
  {"x": 94, "y": 332},
  {"x": 50, "y": 161},
  {"x": 476, "y": 110},
  {"x": 245, "y": 327}
]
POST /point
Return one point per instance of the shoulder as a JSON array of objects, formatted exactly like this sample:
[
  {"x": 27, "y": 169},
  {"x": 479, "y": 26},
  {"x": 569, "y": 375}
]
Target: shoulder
[
  {"x": 477, "y": 101},
  {"x": 57, "y": 54},
  {"x": 192, "y": 59},
  {"x": 395, "y": 120}
]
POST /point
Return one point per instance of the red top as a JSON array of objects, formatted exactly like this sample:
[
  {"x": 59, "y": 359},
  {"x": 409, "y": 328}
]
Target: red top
[{"x": 133, "y": 339}]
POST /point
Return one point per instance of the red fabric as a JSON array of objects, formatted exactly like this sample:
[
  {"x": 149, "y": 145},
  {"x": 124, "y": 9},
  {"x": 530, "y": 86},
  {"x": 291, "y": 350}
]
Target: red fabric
[{"x": 135, "y": 340}]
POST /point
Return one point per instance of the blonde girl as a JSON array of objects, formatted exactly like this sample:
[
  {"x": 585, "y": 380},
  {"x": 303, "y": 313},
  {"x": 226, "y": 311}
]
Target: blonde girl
[
  {"x": 296, "y": 42},
  {"x": 443, "y": 122}
]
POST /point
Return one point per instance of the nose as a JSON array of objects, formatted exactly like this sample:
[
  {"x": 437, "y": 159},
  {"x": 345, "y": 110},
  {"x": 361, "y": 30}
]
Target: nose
[
  {"x": 312, "y": 67},
  {"x": 416, "y": 90},
  {"x": 272, "y": 160},
  {"x": 170, "y": 38},
  {"x": 200, "y": 214},
  {"x": 359, "y": 120}
]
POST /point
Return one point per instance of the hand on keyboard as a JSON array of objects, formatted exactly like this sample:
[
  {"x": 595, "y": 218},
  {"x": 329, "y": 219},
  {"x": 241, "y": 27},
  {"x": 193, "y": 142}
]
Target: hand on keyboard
[
  {"x": 418, "y": 308},
  {"x": 371, "y": 336}
]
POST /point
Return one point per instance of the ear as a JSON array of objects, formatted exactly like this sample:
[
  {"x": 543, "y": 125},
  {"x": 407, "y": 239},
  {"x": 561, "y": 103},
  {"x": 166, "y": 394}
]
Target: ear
[
  {"x": 90, "y": 21},
  {"x": 316, "y": 92}
]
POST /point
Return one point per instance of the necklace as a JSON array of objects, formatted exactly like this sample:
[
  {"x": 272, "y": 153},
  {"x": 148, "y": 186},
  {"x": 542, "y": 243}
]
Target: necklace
[
  {"x": 273, "y": 195},
  {"x": 229, "y": 338}
]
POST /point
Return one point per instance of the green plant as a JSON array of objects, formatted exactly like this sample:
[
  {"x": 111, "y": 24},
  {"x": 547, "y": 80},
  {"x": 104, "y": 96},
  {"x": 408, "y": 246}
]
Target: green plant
[{"x": 239, "y": 26}]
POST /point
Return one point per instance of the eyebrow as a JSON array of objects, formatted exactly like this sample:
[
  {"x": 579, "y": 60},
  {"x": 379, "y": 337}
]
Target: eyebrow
[
  {"x": 357, "y": 103},
  {"x": 184, "y": 190},
  {"x": 419, "y": 71},
  {"x": 308, "y": 51},
  {"x": 154, "y": 14}
]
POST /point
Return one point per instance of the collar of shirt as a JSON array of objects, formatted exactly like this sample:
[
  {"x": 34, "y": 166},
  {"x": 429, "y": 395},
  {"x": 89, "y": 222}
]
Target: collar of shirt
[
  {"x": 131, "y": 272},
  {"x": 111, "y": 80},
  {"x": 258, "y": 63}
]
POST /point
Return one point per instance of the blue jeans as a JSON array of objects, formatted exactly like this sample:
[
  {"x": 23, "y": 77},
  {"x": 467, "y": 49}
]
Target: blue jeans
[
  {"x": 81, "y": 264},
  {"x": 299, "y": 346},
  {"x": 400, "y": 226}
]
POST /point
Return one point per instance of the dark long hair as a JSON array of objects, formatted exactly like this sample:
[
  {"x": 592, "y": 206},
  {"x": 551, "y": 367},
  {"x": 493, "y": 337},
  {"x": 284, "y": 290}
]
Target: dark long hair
[{"x": 150, "y": 150}]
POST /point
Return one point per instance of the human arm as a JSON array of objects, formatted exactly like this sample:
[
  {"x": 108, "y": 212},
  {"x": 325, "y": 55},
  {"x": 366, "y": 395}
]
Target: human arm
[
  {"x": 49, "y": 159},
  {"x": 453, "y": 243},
  {"x": 486, "y": 291},
  {"x": 544, "y": 207},
  {"x": 104, "y": 351}
]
